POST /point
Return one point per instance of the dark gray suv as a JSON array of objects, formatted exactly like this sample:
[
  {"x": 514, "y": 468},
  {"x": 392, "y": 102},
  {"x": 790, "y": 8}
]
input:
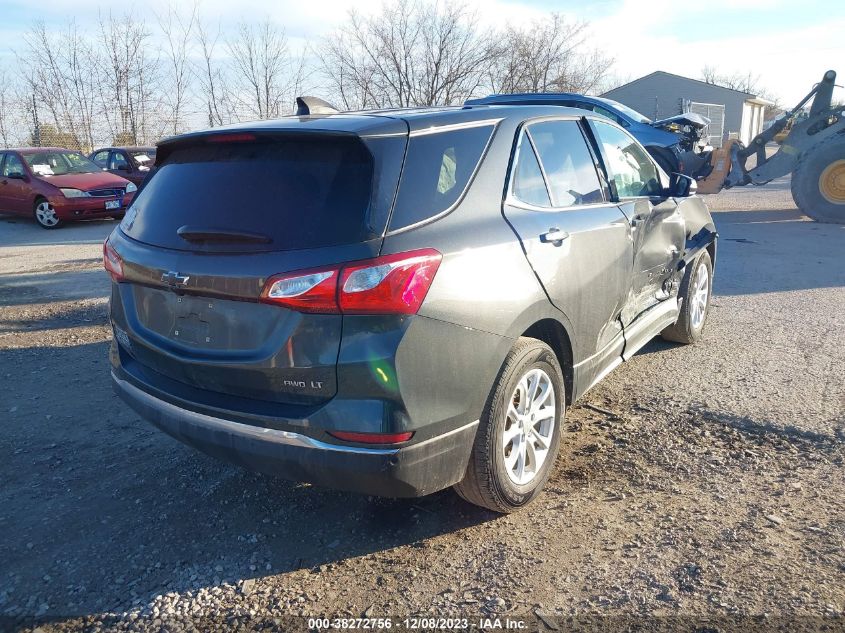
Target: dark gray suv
[{"x": 394, "y": 302}]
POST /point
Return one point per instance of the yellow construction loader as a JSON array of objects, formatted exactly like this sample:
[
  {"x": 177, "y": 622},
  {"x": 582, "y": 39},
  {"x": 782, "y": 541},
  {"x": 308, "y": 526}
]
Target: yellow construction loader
[{"x": 812, "y": 150}]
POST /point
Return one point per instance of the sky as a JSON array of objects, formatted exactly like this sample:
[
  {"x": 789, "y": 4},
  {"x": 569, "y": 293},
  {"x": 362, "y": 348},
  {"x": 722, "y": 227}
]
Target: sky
[{"x": 787, "y": 43}]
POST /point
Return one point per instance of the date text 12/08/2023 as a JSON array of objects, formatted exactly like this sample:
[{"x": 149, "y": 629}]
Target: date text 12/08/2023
[{"x": 415, "y": 623}]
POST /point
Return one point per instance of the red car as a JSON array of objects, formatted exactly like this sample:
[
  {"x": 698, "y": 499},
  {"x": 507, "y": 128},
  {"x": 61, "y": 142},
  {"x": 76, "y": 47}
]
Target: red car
[{"x": 55, "y": 185}]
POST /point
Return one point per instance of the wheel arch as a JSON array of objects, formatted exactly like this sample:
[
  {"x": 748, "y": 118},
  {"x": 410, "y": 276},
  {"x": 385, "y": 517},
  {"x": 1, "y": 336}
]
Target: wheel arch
[{"x": 554, "y": 334}]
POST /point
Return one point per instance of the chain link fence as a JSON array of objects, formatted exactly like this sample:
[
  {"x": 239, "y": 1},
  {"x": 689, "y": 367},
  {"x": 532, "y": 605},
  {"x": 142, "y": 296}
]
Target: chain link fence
[{"x": 77, "y": 133}]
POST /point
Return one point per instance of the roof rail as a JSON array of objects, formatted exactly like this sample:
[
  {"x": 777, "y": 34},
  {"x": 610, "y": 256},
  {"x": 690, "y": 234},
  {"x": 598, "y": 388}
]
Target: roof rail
[{"x": 313, "y": 105}]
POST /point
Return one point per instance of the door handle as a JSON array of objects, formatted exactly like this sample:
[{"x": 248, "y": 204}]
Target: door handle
[{"x": 554, "y": 236}]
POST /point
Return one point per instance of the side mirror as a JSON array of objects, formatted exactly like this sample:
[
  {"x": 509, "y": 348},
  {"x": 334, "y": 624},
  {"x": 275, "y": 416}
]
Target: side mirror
[
  {"x": 123, "y": 168},
  {"x": 681, "y": 186},
  {"x": 16, "y": 175}
]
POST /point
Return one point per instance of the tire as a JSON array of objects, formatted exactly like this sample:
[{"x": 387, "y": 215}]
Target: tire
[
  {"x": 693, "y": 317},
  {"x": 493, "y": 479},
  {"x": 818, "y": 182},
  {"x": 45, "y": 215}
]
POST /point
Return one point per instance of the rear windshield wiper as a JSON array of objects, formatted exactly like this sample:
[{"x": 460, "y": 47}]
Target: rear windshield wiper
[{"x": 211, "y": 234}]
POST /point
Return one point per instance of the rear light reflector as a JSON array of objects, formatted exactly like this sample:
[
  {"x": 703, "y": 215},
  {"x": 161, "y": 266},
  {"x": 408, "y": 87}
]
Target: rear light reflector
[
  {"x": 112, "y": 262},
  {"x": 305, "y": 291},
  {"x": 391, "y": 284},
  {"x": 372, "y": 438}
]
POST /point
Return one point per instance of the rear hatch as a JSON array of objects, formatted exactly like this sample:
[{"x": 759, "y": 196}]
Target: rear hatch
[{"x": 221, "y": 214}]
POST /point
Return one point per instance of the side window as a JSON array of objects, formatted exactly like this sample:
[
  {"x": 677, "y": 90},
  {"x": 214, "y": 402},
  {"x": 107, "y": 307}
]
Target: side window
[
  {"x": 528, "y": 183},
  {"x": 631, "y": 169},
  {"x": 118, "y": 161},
  {"x": 567, "y": 163},
  {"x": 13, "y": 165},
  {"x": 101, "y": 158},
  {"x": 610, "y": 115},
  {"x": 437, "y": 170}
]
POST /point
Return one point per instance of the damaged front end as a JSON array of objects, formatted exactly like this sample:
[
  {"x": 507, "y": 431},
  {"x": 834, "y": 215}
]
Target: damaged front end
[
  {"x": 690, "y": 127},
  {"x": 693, "y": 149}
]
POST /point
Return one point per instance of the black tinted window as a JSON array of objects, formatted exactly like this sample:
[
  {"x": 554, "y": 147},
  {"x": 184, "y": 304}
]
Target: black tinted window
[
  {"x": 437, "y": 169},
  {"x": 570, "y": 170},
  {"x": 300, "y": 192},
  {"x": 118, "y": 161},
  {"x": 101, "y": 158},
  {"x": 528, "y": 183}
]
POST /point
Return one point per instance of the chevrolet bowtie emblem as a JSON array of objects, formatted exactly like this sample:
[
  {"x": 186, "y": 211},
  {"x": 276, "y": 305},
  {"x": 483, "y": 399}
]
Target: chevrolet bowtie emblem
[{"x": 172, "y": 278}]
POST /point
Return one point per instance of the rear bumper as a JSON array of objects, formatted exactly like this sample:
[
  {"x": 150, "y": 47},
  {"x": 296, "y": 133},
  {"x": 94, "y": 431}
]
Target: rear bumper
[{"x": 410, "y": 471}]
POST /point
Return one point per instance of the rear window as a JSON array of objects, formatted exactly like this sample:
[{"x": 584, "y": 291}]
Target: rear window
[
  {"x": 298, "y": 192},
  {"x": 437, "y": 169}
]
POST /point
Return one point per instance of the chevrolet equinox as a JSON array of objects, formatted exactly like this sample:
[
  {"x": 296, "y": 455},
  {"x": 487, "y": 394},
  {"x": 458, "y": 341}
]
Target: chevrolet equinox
[{"x": 397, "y": 301}]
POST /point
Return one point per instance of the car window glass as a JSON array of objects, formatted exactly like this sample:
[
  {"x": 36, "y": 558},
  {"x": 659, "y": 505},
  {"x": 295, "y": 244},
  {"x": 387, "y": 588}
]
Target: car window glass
[
  {"x": 446, "y": 182},
  {"x": 438, "y": 167},
  {"x": 528, "y": 183},
  {"x": 631, "y": 170},
  {"x": 13, "y": 165},
  {"x": 101, "y": 158},
  {"x": 567, "y": 163},
  {"x": 118, "y": 161},
  {"x": 142, "y": 158},
  {"x": 60, "y": 163},
  {"x": 302, "y": 191},
  {"x": 610, "y": 115}
]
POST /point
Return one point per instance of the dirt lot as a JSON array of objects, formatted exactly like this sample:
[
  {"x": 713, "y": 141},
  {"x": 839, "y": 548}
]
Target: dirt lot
[{"x": 694, "y": 481}]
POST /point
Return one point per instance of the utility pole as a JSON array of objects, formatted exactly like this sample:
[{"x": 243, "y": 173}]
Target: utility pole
[{"x": 36, "y": 134}]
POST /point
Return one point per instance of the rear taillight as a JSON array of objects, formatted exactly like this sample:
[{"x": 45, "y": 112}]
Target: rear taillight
[
  {"x": 372, "y": 438},
  {"x": 112, "y": 261},
  {"x": 391, "y": 284}
]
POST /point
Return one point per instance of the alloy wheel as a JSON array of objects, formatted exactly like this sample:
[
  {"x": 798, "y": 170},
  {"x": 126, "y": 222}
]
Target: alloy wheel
[
  {"x": 529, "y": 426},
  {"x": 46, "y": 214},
  {"x": 698, "y": 301}
]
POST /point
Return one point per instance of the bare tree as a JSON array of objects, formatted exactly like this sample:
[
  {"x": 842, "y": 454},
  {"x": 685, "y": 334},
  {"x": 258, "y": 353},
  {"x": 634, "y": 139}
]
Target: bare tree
[
  {"x": 177, "y": 29},
  {"x": 262, "y": 71},
  {"x": 7, "y": 109},
  {"x": 129, "y": 83},
  {"x": 60, "y": 72},
  {"x": 212, "y": 82},
  {"x": 548, "y": 55},
  {"x": 410, "y": 54},
  {"x": 744, "y": 82}
]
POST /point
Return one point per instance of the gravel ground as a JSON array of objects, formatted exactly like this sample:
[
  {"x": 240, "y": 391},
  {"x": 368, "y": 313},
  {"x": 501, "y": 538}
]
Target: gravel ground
[{"x": 701, "y": 481}]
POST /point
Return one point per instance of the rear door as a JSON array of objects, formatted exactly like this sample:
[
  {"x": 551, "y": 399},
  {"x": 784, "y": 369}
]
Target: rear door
[
  {"x": 657, "y": 228},
  {"x": 576, "y": 240},
  {"x": 208, "y": 229},
  {"x": 119, "y": 164},
  {"x": 14, "y": 186}
]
